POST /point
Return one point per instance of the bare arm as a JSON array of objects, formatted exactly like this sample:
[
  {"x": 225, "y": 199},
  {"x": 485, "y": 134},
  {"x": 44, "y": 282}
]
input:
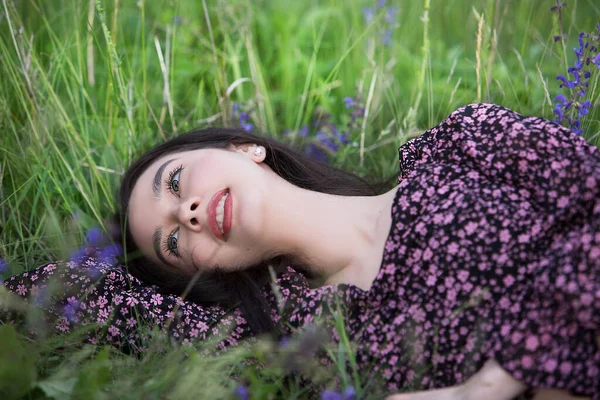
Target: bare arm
[{"x": 491, "y": 383}]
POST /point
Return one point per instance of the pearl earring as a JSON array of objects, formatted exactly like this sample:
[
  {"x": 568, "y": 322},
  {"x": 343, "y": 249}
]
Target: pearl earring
[{"x": 258, "y": 151}]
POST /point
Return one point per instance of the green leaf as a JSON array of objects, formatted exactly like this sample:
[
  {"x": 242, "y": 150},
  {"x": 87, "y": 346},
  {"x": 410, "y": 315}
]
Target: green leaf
[
  {"x": 59, "y": 386},
  {"x": 17, "y": 366},
  {"x": 94, "y": 376}
]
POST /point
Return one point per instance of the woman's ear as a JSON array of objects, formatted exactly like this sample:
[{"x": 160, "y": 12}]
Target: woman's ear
[{"x": 253, "y": 151}]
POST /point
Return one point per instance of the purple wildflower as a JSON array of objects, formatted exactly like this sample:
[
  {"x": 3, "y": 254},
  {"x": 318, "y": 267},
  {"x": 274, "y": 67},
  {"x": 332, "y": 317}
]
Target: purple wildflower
[
  {"x": 242, "y": 117},
  {"x": 349, "y": 101},
  {"x": 303, "y": 132},
  {"x": 390, "y": 15},
  {"x": 242, "y": 392},
  {"x": 3, "y": 268},
  {"x": 331, "y": 395},
  {"x": 95, "y": 236},
  {"x": 572, "y": 107},
  {"x": 387, "y": 37},
  {"x": 369, "y": 14},
  {"x": 349, "y": 393},
  {"x": 71, "y": 309},
  {"x": 41, "y": 297},
  {"x": 389, "y": 23},
  {"x": 596, "y": 60},
  {"x": 584, "y": 108},
  {"x": 110, "y": 252},
  {"x": 79, "y": 255},
  {"x": 285, "y": 342}
]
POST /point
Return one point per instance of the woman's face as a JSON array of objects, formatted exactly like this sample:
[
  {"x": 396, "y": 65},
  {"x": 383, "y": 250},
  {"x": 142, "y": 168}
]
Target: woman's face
[{"x": 169, "y": 214}]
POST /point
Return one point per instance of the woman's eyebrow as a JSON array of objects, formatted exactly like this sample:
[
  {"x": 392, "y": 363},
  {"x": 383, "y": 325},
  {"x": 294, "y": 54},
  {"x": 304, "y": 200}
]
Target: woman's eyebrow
[{"x": 158, "y": 179}]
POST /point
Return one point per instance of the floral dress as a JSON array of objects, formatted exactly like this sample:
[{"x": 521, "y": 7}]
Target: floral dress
[{"x": 493, "y": 253}]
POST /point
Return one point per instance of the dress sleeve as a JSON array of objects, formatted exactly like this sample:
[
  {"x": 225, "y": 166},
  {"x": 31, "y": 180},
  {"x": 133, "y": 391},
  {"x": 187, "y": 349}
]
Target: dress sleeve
[
  {"x": 549, "y": 336},
  {"x": 117, "y": 309},
  {"x": 530, "y": 153}
]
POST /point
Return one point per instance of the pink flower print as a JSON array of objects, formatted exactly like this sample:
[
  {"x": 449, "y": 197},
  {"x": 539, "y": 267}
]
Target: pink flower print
[
  {"x": 566, "y": 367},
  {"x": 21, "y": 290},
  {"x": 102, "y": 301},
  {"x": 114, "y": 331},
  {"x": 156, "y": 299},
  {"x": 431, "y": 280},
  {"x": 102, "y": 316},
  {"x": 132, "y": 301},
  {"x": 49, "y": 267},
  {"x": 453, "y": 248},
  {"x": 471, "y": 227},
  {"x": 509, "y": 280},
  {"x": 532, "y": 343},
  {"x": 202, "y": 326},
  {"x": 563, "y": 201},
  {"x": 505, "y": 236},
  {"x": 550, "y": 365},
  {"x": 463, "y": 276},
  {"x": 117, "y": 299},
  {"x": 527, "y": 361},
  {"x": 62, "y": 325}
]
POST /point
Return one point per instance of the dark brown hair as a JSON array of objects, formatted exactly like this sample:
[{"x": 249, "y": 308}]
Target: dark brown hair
[{"x": 238, "y": 288}]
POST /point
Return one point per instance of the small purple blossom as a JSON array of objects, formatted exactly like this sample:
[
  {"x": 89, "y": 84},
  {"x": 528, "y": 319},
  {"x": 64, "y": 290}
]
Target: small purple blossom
[
  {"x": 348, "y": 394},
  {"x": 285, "y": 342},
  {"x": 242, "y": 393},
  {"x": 389, "y": 23},
  {"x": 41, "y": 297},
  {"x": 95, "y": 236},
  {"x": 3, "y": 268},
  {"x": 303, "y": 132},
  {"x": 369, "y": 14},
  {"x": 71, "y": 309},
  {"x": 349, "y": 101},
  {"x": 572, "y": 107},
  {"x": 110, "y": 252},
  {"x": 79, "y": 255},
  {"x": 242, "y": 117},
  {"x": 331, "y": 395},
  {"x": 390, "y": 15}
]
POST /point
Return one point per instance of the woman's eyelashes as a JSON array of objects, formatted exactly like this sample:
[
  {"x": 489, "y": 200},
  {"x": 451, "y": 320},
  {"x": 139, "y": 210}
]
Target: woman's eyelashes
[
  {"x": 172, "y": 182},
  {"x": 172, "y": 186},
  {"x": 170, "y": 244}
]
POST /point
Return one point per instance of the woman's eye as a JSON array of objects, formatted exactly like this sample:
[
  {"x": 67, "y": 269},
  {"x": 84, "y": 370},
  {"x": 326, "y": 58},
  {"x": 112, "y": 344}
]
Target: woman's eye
[
  {"x": 172, "y": 243},
  {"x": 173, "y": 181}
]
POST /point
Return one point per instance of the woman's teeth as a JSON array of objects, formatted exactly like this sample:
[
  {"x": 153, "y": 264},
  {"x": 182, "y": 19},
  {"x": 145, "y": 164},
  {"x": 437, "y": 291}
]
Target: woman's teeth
[{"x": 221, "y": 211}]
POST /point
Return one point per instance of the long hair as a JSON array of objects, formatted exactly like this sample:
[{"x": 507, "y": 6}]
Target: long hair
[{"x": 238, "y": 288}]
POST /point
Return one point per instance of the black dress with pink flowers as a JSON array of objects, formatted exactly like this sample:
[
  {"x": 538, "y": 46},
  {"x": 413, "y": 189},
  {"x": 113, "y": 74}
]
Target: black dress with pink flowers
[{"x": 493, "y": 252}]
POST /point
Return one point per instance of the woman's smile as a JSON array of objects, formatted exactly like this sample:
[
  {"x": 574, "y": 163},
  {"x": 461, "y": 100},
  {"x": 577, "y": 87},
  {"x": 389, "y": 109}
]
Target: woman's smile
[{"x": 219, "y": 214}]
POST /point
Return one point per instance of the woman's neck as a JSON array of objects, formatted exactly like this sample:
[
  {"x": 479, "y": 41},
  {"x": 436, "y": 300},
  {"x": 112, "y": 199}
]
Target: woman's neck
[{"x": 335, "y": 236}]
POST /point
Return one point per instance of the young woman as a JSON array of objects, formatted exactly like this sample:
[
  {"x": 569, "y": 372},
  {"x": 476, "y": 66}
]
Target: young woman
[{"x": 478, "y": 275}]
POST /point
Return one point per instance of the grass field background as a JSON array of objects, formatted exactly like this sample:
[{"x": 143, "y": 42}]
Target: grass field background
[{"x": 87, "y": 86}]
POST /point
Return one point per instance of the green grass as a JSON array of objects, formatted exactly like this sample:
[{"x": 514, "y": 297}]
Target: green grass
[{"x": 86, "y": 87}]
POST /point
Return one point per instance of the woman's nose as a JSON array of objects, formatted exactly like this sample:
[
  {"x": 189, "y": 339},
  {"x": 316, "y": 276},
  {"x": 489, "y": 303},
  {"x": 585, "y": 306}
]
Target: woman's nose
[{"x": 189, "y": 214}]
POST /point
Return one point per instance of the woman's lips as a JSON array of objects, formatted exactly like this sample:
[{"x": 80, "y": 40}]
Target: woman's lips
[
  {"x": 228, "y": 214},
  {"x": 212, "y": 215}
]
